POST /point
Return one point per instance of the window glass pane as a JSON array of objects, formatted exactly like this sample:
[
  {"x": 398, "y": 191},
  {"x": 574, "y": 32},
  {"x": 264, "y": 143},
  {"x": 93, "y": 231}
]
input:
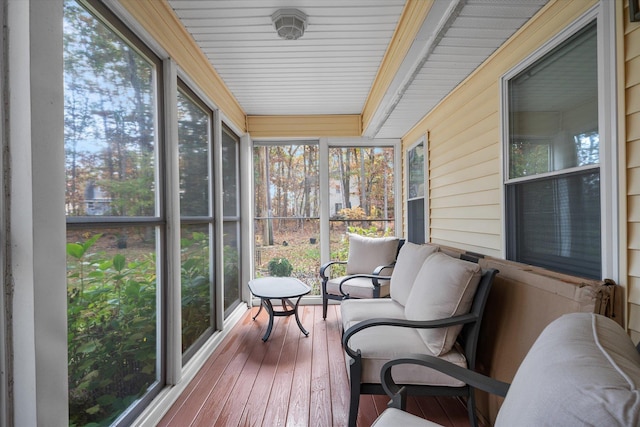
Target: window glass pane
[
  {"x": 109, "y": 121},
  {"x": 558, "y": 223},
  {"x": 230, "y": 174},
  {"x": 193, "y": 136},
  {"x": 111, "y": 294},
  {"x": 552, "y": 101},
  {"x": 361, "y": 184},
  {"x": 416, "y": 221},
  {"x": 415, "y": 163},
  {"x": 287, "y": 191},
  {"x": 231, "y": 264},
  {"x": 196, "y": 283},
  {"x": 554, "y": 221},
  {"x": 111, "y": 170}
]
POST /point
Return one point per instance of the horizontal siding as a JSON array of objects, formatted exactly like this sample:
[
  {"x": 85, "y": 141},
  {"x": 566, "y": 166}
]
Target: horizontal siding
[
  {"x": 465, "y": 183},
  {"x": 304, "y": 126},
  {"x": 632, "y": 129}
]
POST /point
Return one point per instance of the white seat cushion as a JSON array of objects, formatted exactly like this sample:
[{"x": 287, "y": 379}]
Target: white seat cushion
[
  {"x": 410, "y": 259},
  {"x": 356, "y": 310},
  {"x": 392, "y": 417},
  {"x": 582, "y": 370},
  {"x": 358, "y": 287},
  {"x": 380, "y": 344},
  {"x": 444, "y": 287},
  {"x": 367, "y": 253}
]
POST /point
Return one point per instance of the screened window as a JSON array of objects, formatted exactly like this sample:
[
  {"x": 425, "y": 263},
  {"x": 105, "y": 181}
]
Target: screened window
[
  {"x": 553, "y": 151},
  {"x": 194, "y": 145},
  {"x": 287, "y": 210},
  {"x": 231, "y": 220},
  {"x": 115, "y": 221}
]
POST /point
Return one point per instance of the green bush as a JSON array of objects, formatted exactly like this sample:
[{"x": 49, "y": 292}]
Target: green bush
[
  {"x": 111, "y": 332},
  {"x": 280, "y": 267}
]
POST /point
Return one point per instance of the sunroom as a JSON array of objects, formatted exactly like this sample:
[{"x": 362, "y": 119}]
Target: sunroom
[{"x": 159, "y": 154}]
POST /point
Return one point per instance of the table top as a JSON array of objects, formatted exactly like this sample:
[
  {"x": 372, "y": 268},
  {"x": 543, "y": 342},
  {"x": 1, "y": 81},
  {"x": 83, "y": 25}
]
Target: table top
[{"x": 278, "y": 287}]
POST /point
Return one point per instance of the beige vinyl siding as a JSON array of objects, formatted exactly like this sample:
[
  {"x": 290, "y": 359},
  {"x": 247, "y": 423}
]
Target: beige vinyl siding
[
  {"x": 157, "y": 17},
  {"x": 632, "y": 133},
  {"x": 465, "y": 155},
  {"x": 304, "y": 126}
]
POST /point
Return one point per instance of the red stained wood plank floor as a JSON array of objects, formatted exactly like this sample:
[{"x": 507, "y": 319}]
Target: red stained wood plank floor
[{"x": 291, "y": 380}]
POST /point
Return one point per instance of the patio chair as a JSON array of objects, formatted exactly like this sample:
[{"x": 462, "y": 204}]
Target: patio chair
[
  {"x": 441, "y": 317},
  {"x": 582, "y": 370},
  {"x": 369, "y": 256}
]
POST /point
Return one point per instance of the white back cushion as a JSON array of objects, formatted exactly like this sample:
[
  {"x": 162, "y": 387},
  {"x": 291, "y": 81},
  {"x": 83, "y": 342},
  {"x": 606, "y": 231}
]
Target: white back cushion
[
  {"x": 410, "y": 259},
  {"x": 367, "y": 253},
  {"x": 444, "y": 287}
]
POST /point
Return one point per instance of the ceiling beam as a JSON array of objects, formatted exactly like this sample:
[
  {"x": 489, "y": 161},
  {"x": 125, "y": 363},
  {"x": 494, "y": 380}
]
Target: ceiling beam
[
  {"x": 438, "y": 19},
  {"x": 409, "y": 24}
]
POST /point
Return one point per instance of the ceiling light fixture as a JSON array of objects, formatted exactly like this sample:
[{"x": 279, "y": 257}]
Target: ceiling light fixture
[{"x": 289, "y": 23}]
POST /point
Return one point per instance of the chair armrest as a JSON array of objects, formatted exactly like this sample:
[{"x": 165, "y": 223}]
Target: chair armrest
[
  {"x": 469, "y": 377},
  {"x": 416, "y": 324},
  {"x": 326, "y": 265},
  {"x": 374, "y": 279},
  {"x": 378, "y": 270}
]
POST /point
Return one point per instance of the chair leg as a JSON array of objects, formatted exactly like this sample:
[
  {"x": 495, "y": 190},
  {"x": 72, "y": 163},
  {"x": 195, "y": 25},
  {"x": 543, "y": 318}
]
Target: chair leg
[
  {"x": 355, "y": 375},
  {"x": 325, "y": 302},
  {"x": 471, "y": 408}
]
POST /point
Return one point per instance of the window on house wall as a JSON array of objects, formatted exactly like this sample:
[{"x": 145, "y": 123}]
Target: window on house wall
[
  {"x": 115, "y": 219},
  {"x": 553, "y": 171},
  {"x": 196, "y": 239},
  {"x": 231, "y": 219},
  {"x": 416, "y": 221}
]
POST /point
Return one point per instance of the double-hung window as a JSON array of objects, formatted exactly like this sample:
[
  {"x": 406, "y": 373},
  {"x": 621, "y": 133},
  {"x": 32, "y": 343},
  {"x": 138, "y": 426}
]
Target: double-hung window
[{"x": 554, "y": 158}]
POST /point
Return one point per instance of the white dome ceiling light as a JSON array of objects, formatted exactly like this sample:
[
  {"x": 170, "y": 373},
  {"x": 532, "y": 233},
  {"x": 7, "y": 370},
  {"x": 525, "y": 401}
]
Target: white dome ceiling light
[{"x": 289, "y": 23}]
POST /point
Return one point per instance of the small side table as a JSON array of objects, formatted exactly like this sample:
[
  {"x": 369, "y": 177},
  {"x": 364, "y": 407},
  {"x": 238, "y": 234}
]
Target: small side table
[{"x": 282, "y": 288}]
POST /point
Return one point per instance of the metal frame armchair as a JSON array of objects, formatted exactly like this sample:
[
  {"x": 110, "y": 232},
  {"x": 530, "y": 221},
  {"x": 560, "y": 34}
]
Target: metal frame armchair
[{"x": 370, "y": 262}]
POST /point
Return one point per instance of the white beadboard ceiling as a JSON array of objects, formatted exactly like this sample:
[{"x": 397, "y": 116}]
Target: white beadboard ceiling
[{"x": 331, "y": 69}]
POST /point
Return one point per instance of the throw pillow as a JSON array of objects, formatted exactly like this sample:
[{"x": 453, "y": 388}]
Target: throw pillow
[
  {"x": 408, "y": 264},
  {"x": 444, "y": 287}
]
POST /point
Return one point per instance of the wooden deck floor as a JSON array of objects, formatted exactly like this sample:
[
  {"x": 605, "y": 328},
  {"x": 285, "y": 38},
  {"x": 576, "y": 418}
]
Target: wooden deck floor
[{"x": 290, "y": 380}]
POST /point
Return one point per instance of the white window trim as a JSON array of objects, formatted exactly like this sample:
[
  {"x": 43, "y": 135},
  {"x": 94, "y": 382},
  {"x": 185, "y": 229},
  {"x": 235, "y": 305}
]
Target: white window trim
[
  {"x": 604, "y": 14},
  {"x": 325, "y": 144},
  {"x": 424, "y": 141}
]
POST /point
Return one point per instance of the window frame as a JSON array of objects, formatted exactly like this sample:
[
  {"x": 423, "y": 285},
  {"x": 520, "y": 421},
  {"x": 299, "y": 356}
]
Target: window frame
[
  {"x": 425, "y": 195},
  {"x": 603, "y": 14},
  {"x": 159, "y": 221},
  {"x": 209, "y": 220}
]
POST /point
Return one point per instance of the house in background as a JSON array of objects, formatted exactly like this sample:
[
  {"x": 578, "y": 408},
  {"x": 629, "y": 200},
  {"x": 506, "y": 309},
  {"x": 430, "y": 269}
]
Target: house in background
[{"x": 530, "y": 156}]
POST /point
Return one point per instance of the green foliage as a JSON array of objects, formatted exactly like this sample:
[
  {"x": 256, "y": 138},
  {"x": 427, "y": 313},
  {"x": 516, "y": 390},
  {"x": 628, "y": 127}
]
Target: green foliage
[
  {"x": 196, "y": 288},
  {"x": 111, "y": 332},
  {"x": 280, "y": 267}
]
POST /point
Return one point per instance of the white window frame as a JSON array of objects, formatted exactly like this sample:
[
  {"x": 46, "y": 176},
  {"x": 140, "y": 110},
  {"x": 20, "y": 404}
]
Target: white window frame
[
  {"x": 325, "y": 144},
  {"x": 604, "y": 14},
  {"x": 424, "y": 141}
]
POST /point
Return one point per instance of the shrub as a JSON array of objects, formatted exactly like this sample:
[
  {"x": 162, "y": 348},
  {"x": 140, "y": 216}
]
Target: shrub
[{"x": 280, "y": 267}]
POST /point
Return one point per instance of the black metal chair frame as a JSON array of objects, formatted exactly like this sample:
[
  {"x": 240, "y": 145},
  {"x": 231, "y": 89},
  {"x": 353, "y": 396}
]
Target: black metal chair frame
[
  {"x": 375, "y": 277},
  {"x": 467, "y": 339}
]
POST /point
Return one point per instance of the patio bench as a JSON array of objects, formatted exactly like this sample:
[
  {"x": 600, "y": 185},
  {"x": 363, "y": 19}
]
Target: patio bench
[{"x": 435, "y": 307}]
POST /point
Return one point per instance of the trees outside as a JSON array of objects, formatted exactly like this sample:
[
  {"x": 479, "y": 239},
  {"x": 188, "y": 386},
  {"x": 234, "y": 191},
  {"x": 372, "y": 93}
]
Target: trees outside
[
  {"x": 110, "y": 105},
  {"x": 287, "y": 203}
]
